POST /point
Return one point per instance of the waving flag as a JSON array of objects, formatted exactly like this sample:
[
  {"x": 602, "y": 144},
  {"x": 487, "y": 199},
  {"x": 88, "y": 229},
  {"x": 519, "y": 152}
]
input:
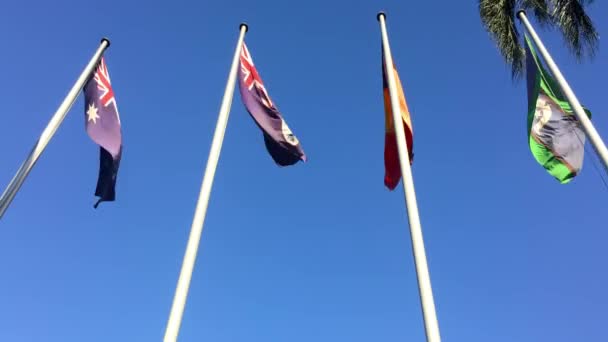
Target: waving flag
[
  {"x": 103, "y": 126},
  {"x": 392, "y": 170},
  {"x": 556, "y": 138},
  {"x": 280, "y": 142}
]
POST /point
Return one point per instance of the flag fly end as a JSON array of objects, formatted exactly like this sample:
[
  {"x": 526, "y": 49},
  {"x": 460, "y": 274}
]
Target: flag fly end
[
  {"x": 246, "y": 26},
  {"x": 381, "y": 13}
]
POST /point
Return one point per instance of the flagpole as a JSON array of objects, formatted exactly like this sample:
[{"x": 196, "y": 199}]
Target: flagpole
[
  {"x": 422, "y": 271},
  {"x": 579, "y": 112},
  {"x": 183, "y": 283},
  {"x": 48, "y": 133}
]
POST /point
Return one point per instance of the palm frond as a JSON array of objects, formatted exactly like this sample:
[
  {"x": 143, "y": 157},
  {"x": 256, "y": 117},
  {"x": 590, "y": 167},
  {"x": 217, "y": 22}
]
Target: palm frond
[
  {"x": 498, "y": 18},
  {"x": 577, "y": 28},
  {"x": 540, "y": 9}
]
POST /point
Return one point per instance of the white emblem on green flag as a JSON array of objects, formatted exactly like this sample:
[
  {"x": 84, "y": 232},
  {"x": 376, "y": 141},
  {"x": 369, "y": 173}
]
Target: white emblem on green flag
[{"x": 555, "y": 136}]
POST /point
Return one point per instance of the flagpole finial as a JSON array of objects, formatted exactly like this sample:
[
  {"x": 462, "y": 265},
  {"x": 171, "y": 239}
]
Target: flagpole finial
[
  {"x": 104, "y": 39},
  {"x": 246, "y": 26},
  {"x": 381, "y": 13},
  {"x": 520, "y": 12}
]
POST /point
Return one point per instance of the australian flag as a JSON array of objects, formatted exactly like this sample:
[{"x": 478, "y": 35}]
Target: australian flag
[
  {"x": 103, "y": 126},
  {"x": 280, "y": 142}
]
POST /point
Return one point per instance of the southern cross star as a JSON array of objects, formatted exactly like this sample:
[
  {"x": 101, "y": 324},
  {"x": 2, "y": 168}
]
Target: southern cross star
[{"x": 92, "y": 114}]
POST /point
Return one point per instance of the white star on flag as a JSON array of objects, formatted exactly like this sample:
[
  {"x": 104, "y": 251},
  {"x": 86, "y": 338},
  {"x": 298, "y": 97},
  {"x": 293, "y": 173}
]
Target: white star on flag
[{"x": 92, "y": 114}]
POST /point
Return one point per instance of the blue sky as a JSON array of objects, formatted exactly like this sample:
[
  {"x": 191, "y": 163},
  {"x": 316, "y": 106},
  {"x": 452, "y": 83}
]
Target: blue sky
[{"x": 318, "y": 251}]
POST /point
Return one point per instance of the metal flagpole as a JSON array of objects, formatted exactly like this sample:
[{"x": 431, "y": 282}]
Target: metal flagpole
[
  {"x": 49, "y": 131},
  {"x": 582, "y": 117},
  {"x": 183, "y": 283},
  {"x": 422, "y": 270}
]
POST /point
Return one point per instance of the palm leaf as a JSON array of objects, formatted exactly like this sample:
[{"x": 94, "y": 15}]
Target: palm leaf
[
  {"x": 498, "y": 18},
  {"x": 577, "y": 28},
  {"x": 540, "y": 9}
]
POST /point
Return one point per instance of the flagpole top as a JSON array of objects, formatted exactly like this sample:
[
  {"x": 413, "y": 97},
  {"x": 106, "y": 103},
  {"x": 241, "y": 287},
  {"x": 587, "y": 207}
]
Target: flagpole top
[
  {"x": 246, "y": 26},
  {"x": 520, "y": 12},
  {"x": 381, "y": 13},
  {"x": 104, "y": 39}
]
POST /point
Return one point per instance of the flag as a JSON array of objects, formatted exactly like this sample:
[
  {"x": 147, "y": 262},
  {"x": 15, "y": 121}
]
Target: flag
[
  {"x": 281, "y": 143},
  {"x": 555, "y": 136},
  {"x": 102, "y": 123},
  {"x": 392, "y": 169}
]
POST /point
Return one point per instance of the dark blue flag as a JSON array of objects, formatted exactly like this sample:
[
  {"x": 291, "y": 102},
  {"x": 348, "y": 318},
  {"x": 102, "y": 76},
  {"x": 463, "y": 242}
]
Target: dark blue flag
[
  {"x": 103, "y": 126},
  {"x": 280, "y": 142}
]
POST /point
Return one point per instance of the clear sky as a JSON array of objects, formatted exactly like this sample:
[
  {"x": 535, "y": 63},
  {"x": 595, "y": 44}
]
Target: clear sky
[{"x": 317, "y": 251}]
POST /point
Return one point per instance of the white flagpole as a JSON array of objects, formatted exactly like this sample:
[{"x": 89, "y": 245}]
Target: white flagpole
[
  {"x": 183, "y": 283},
  {"x": 594, "y": 137},
  {"x": 49, "y": 131},
  {"x": 422, "y": 270}
]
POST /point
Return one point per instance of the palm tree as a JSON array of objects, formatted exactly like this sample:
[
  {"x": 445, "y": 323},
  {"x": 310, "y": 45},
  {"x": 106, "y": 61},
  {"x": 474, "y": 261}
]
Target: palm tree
[{"x": 569, "y": 16}]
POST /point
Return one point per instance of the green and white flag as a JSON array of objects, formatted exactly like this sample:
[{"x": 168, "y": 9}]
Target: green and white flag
[{"x": 556, "y": 138}]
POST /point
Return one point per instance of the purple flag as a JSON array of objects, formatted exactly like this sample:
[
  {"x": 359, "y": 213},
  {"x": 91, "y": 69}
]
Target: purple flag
[
  {"x": 103, "y": 126},
  {"x": 280, "y": 142}
]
